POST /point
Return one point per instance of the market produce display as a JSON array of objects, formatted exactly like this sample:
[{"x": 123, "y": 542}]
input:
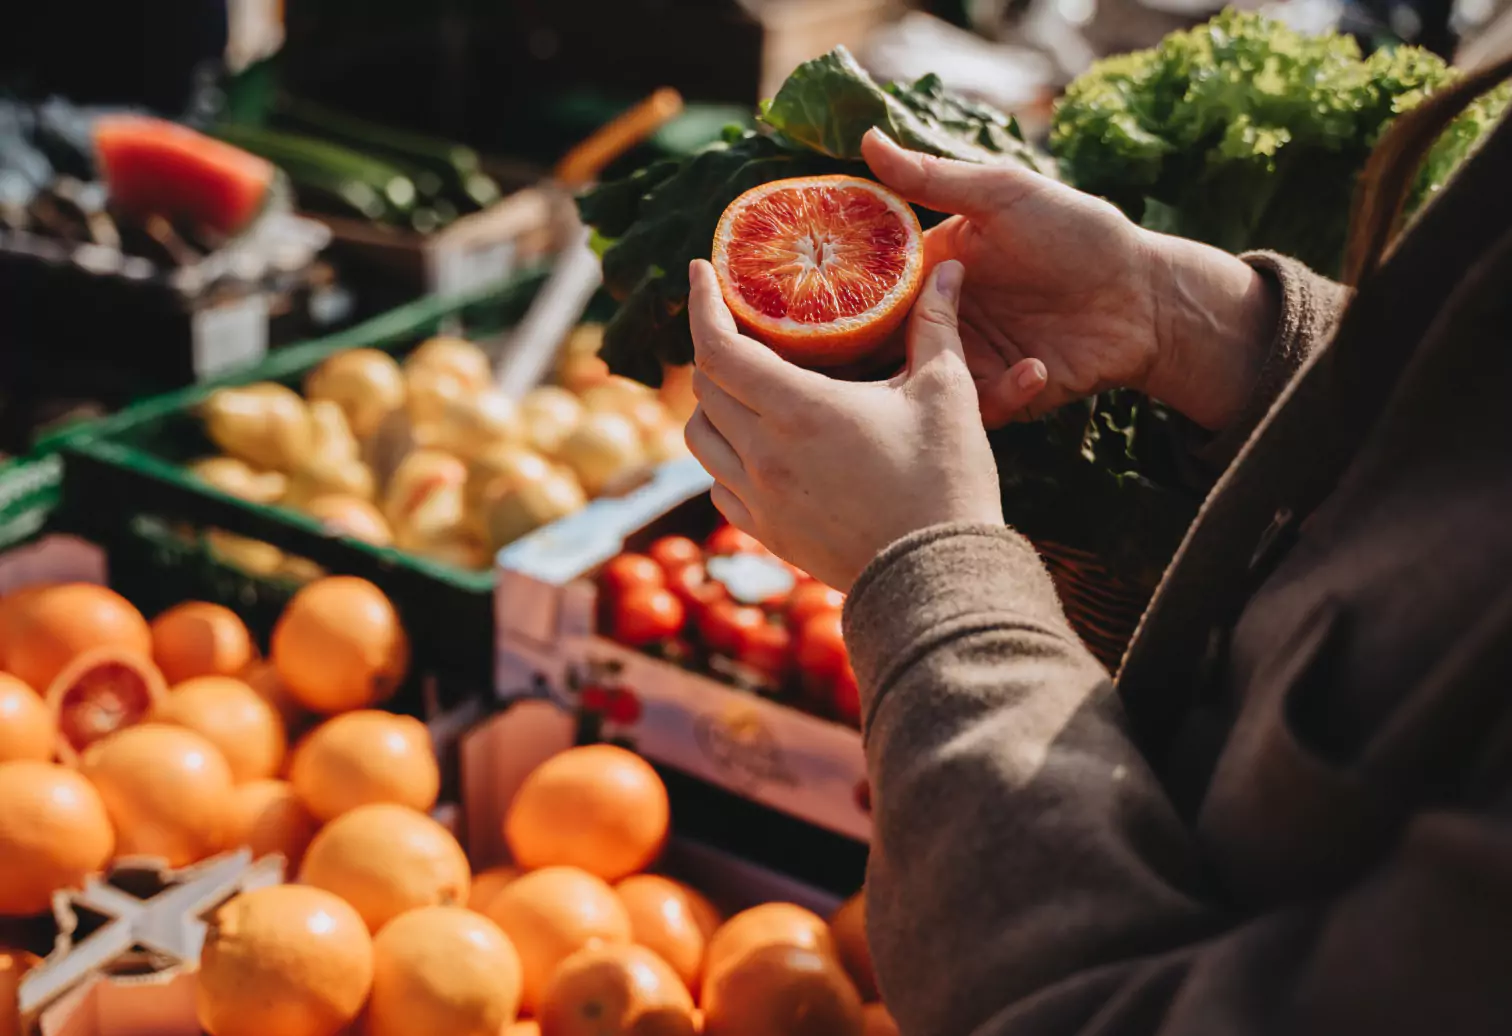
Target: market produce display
[
  {"x": 127, "y": 181},
  {"x": 1240, "y": 132},
  {"x": 1246, "y": 134},
  {"x": 386, "y": 929},
  {"x": 823, "y": 269},
  {"x": 730, "y": 609},
  {"x": 476, "y": 470},
  {"x": 341, "y": 165},
  {"x": 180, "y": 771}
]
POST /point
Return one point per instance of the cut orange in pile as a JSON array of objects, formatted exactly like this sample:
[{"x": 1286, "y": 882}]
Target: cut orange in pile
[
  {"x": 102, "y": 691},
  {"x": 820, "y": 268}
]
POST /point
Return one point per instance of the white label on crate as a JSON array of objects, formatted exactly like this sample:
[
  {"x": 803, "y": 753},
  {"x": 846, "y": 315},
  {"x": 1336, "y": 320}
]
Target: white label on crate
[
  {"x": 52, "y": 559},
  {"x": 457, "y": 269},
  {"x": 231, "y": 335},
  {"x": 778, "y": 756}
]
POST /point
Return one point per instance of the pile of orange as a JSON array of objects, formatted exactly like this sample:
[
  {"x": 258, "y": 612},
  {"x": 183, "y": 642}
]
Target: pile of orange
[
  {"x": 390, "y": 934},
  {"x": 173, "y": 739}
]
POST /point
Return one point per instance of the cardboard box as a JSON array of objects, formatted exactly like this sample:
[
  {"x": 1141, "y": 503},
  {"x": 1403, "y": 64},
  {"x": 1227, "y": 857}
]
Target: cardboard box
[{"x": 547, "y": 648}]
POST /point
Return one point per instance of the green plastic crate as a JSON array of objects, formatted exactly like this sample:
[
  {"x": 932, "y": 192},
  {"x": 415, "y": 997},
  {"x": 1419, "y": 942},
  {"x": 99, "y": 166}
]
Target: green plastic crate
[{"x": 125, "y": 488}]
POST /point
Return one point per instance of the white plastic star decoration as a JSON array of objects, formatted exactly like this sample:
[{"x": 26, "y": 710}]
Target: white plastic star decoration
[{"x": 142, "y": 918}]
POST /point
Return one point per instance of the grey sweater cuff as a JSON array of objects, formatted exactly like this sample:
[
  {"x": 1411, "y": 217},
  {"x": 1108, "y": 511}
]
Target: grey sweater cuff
[
  {"x": 1310, "y": 305},
  {"x": 935, "y": 585}
]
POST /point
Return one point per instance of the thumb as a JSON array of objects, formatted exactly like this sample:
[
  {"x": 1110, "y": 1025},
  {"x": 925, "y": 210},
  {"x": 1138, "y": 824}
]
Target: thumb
[
  {"x": 941, "y": 184},
  {"x": 933, "y": 330}
]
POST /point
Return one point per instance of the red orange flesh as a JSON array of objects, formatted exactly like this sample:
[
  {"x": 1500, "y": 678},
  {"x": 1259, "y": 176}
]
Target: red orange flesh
[{"x": 823, "y": 269}]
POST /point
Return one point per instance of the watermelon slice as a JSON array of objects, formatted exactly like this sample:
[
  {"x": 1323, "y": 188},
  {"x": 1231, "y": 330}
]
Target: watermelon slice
[{"x": 152, "y": 166}]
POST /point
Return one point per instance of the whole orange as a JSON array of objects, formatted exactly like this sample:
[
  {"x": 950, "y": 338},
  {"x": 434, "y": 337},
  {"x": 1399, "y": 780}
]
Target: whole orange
[
  {"x": 597, "y": 807},
  {"x": 765, "y": 925},
  {"x": 339, "y": 645},
  {"x": 288, "y": 959},
  {"x": 670, "y": 918},
  {"x": 486, "y": 885},
  {"x": 848, "y": 929},
  {"x": 198, "y": 638},
  {"x": 364, "y": 757},
  {"x": 53, "y": 626},
  {"x": 443, "y": 970},
  {"x": 53, "y": 832},
  {"x": 267, "y": 817},
  {"x": 232, "y": 717},
  {"x": 612, "y": 990},
  {"x": 167, "y": 790},
  {"x": 386, "y": 859},
  {"x": 781, "y": 990},
  {"x": 27, "y": 727},
  {"x": 524, "y": 1027},
  {"x": 877, "y": 1020},
  {"x": 552, "y": 913}
]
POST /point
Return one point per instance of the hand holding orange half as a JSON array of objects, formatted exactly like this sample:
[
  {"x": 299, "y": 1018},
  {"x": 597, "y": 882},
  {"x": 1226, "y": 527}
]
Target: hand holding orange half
[
  {"x": 825, "y": 472},
  {"x": 1063, "y": 289}
]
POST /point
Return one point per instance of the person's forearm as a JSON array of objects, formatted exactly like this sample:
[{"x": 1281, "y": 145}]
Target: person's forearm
[
  {"x": 1018, "y": 838},
  {"x": 1217, "y": 317}
]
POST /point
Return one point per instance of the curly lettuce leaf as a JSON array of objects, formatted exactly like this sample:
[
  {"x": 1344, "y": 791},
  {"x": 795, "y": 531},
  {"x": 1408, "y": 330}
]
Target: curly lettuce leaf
[{"x": 1246, "y": 134}]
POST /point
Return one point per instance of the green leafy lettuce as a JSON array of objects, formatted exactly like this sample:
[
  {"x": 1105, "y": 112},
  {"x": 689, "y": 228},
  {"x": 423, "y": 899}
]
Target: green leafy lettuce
[
  {"x": 649, "y": 226},
  {"x": 1245, "y": 134}
]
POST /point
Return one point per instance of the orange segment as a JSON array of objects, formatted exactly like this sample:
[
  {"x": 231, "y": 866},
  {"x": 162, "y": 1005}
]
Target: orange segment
[{"x": 821, "y": 268}]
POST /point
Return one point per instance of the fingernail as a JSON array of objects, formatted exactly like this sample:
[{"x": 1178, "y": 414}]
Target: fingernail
[
  {"x": 947, "y": 279},
  {"x": 1031, "y": 376},
  {"x": 692, "y": 269}
]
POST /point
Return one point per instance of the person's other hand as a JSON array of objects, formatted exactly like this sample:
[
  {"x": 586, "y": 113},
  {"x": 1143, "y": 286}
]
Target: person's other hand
[
  {"x": 827, "y": 473},
  {"x": 1061, "y": 277}
]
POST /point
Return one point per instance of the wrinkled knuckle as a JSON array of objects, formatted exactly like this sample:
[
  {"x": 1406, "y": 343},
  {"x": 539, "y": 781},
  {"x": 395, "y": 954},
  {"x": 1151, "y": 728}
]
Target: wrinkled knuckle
[
  {"x": 935, "y": 316},
  {"x": 711, "y": 357}
]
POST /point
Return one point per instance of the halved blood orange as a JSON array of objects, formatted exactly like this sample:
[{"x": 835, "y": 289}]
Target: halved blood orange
[
  {"x": 820, "y": 268},
  {"x": 100, "y": 692}
]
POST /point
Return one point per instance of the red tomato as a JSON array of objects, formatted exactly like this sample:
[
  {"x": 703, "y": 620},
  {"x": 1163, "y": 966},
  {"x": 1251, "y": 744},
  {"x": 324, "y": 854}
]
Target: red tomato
[
  {"x": 729, "y": 540},
  {"x": 675, "y": 552},
  {"x": 695, "y": 589},
  {"x": 629, "y": 572},
  {"x": 646, "y": 615},
  {"x": 821, "y": 654},
  {"x": 766, "y": 648},
  {"x": 722, "y": 623},
  {"x": 847, "y": 697},
  {"x": 810, "y": 599}
]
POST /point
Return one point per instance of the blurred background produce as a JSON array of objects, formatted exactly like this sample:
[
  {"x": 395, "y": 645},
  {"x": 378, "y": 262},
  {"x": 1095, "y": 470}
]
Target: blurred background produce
[{"x": 427, "y": 455}]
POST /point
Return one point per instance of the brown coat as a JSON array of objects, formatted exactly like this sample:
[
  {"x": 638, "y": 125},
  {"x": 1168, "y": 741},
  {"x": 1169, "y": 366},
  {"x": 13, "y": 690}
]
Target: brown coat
[{"x": 1293, "y": 814}]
